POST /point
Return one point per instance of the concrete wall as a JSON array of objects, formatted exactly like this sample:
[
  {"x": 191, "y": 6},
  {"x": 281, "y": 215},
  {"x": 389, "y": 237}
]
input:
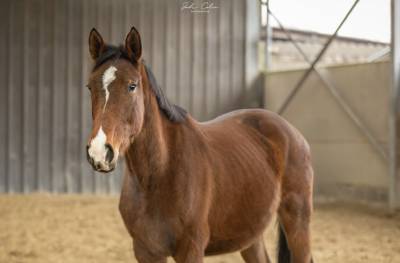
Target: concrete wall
[{"x": 346, "y": 165}]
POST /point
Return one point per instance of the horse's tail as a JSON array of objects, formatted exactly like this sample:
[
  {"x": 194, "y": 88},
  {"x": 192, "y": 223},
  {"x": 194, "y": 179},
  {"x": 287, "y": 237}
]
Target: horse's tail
[{"x": 283, "y": 248}]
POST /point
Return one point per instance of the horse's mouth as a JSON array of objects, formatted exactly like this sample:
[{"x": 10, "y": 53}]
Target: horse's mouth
[
  {"x": 98, "y": 167},
  {"x": 105, "y": 171}
]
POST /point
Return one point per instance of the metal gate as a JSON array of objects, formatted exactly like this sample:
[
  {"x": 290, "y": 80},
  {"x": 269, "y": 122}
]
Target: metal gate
[{"x": 353, "y": 132}]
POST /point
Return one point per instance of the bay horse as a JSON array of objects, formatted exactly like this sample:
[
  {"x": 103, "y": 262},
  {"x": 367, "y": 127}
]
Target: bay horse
[{"x": 194, "y": 189}]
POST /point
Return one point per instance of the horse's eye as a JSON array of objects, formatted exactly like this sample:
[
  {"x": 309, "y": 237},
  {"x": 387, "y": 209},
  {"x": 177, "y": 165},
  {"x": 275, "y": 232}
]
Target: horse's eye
[
  {"x": 132, "y": 87},
  {"x": 88, "y": 87}
]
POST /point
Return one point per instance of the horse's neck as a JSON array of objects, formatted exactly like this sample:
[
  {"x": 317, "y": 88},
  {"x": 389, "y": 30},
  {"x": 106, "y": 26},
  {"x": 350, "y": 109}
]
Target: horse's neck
[{"x": 150, "y": 154}]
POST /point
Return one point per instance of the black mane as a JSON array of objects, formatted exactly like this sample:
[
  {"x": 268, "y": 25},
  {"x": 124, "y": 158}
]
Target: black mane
[{"x": 173, "y": 112}]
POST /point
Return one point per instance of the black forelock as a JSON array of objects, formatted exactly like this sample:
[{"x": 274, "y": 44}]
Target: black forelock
[
  {"x": 173, "y": 112},
  {"x": 112, "y": 53}
]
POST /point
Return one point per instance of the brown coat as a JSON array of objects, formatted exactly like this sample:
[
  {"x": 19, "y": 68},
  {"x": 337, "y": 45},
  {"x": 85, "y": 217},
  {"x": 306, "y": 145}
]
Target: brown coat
[{"x": 193, "y": 189}]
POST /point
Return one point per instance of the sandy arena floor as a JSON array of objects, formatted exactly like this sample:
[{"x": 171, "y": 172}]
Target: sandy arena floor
[{"x": 53, "y": 228}]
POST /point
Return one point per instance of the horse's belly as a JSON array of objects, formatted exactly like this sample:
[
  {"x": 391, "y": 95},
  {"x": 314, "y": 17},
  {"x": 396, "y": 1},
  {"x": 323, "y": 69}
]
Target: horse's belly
[
  {"x": 226, "y": 246},
  {"x": 240, "y": 217},
  {"x": 240, "y": 230},
  {"x": 238, "y": 242}
]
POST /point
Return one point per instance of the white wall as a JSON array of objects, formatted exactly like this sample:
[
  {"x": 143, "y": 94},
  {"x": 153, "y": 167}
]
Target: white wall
[{"x": 346, "y": 165}]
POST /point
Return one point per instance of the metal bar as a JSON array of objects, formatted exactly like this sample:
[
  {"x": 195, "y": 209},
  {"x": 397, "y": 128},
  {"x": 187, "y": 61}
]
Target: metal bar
[
  {"x": 316, "y": 60},
  {"x": 252, "y": 32},
  {"x": 379, "y": 54},
  {"x": 268, "y": 35},
  {"x": 336, "y": 94},
  {"x": 362, "y": 127},
  {"x": 394, "y": 120}
]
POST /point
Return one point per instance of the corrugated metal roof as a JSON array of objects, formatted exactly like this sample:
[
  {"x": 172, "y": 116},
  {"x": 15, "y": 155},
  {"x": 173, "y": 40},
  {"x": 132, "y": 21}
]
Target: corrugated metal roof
[{"x": 342, "y": 50}]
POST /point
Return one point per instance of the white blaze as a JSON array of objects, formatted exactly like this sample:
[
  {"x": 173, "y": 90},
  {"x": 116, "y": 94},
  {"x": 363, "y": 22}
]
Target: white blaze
[
  {"x": 108, "y": 77},
  {"x": 97, "y": 149}
]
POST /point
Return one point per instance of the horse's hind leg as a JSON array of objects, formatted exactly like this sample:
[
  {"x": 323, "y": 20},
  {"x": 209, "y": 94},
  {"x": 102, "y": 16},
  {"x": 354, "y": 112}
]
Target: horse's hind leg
[
  {"x": 294, "y": 216},
  {"x": 256, "y": 253}
]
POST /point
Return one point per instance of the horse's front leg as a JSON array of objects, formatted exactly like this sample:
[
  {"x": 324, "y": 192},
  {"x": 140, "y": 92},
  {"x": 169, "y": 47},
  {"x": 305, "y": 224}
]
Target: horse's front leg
[
  {"x": 144, "y": 255},
  {"x": 191, "y": 246}
]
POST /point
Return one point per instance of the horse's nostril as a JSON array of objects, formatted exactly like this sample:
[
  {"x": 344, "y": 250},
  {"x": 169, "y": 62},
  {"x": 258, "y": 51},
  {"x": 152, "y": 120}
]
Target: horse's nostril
[{"x": 110, "y": 153}]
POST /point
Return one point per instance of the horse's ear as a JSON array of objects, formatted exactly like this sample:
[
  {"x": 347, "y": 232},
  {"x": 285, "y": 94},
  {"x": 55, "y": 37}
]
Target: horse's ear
[
  {"x": 133, "y": 44},
  {"x": 96, "y": 44}
]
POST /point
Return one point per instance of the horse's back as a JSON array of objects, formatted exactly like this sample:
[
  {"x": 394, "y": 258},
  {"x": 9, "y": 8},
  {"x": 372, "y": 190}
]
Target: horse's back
[
  {"x": 268, "y": 124},
  {"x": 253, "y": 124}
]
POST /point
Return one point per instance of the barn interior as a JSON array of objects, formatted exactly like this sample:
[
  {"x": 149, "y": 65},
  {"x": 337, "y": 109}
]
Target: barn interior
[{"x": 340, "y": 90}]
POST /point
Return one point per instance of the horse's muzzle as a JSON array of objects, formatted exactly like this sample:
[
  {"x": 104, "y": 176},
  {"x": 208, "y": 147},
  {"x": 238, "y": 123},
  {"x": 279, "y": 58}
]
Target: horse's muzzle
[{"x": 101, "y": 158}]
